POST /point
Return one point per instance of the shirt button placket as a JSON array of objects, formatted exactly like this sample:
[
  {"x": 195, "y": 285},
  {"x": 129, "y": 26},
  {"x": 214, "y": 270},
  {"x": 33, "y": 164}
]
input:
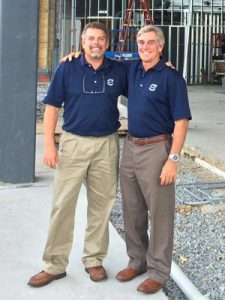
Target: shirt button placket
[{"x": 95, "y": 82}]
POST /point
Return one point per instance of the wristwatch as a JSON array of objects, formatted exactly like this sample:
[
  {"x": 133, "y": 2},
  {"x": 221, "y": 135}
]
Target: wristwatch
[{"x": 174, "y": 157}]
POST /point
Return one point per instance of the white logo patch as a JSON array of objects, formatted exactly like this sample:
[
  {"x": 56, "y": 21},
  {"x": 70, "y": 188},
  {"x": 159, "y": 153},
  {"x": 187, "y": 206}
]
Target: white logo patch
[
  {"x": 110, "y": 82},
  {"x": 152, "y": 87}
]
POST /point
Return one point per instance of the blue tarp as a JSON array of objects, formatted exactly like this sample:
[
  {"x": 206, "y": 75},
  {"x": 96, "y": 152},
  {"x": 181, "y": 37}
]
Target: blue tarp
[{"x": 125, "y": 55}]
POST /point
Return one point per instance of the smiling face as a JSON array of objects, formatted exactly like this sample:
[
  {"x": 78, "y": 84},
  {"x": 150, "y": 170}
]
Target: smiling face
[
  {"x": 149, "y": 47},
  {"x": 95, "y": 44}
]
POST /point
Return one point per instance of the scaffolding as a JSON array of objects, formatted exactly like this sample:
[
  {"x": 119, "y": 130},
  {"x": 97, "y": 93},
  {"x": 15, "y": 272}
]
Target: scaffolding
[{"x": 188, "y": 27}]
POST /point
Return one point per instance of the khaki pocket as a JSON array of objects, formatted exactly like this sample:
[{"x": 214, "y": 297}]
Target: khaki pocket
[{"x": 68, "y": 145}]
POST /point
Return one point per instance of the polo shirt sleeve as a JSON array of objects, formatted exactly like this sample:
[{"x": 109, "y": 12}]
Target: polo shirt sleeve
[
  {"x": 178, "y": 97},
  {"x": 56, "y": 91}
]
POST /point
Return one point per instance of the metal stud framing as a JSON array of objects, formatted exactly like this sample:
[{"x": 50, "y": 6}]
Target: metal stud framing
[{"x": 196, "y": 19}]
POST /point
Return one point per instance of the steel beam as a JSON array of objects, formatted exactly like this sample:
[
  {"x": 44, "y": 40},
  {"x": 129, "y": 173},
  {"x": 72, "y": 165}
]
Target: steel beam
[{"x": 18, "y": 86}]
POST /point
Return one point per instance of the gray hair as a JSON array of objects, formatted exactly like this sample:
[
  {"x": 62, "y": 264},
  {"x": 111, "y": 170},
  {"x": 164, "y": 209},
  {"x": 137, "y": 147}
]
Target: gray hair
[
  {"x": 152, "y": 28},
  {"x": 95, "y": 25}
]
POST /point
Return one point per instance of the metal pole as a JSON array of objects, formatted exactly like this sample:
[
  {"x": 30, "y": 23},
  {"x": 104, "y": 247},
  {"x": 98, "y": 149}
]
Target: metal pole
[
  {"x": 18, "y": 86},
  {"x": 186, "y": 45},
  {"x": 178, "y": 48},
  {"x": 72, "y": 36},
  {"x": 169, "y": 42},
  {"x": 63, "y": 45}
]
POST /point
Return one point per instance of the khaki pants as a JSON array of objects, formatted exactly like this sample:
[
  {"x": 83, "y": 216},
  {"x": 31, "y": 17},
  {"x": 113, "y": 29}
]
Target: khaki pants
[
  {"x": 143, "y": 196},
  {"x": 94, "y": 160}
]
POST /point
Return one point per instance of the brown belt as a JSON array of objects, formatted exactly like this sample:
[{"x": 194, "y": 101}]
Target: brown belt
[{"x": 148, "y": 140}]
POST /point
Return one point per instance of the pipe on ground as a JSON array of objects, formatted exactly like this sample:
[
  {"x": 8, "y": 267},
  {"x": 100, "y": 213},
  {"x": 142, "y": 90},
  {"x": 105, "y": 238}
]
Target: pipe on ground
[{"x": 184, "y": 283}]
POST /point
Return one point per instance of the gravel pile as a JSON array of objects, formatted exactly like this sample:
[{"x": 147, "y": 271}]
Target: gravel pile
[{"x": 199, "y": 240}]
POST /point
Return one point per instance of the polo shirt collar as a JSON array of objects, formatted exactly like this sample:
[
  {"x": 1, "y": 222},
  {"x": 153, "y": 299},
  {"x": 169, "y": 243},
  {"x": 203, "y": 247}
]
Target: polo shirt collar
[
  {"x": 82, "y": 60},
  {"x": 158, "y": 67},
  {"x": 105, "y": 66}
]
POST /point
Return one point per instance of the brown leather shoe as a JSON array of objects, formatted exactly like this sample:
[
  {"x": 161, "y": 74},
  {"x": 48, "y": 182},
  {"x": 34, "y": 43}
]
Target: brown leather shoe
[
  {"x": 44, "y": 278},
  {"x": 97, "y": 273},
  {"x": 150, "y": 286},
  {"x": 128, "y": 274}
]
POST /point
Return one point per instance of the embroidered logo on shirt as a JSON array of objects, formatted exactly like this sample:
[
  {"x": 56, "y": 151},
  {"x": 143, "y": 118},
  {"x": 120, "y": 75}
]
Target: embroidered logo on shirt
[
  {"x": 152, "y": 87},
  {"x": 110, "y": 82}
]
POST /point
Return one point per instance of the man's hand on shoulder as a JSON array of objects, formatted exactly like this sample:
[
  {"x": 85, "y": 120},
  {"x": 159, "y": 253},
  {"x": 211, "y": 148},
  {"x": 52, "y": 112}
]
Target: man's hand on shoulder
[
  {"x": 169, "y": 64},
  {"x": 70, "y": 56}
]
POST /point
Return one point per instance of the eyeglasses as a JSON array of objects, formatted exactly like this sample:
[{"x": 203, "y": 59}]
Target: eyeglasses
[{"x": 101, "y": 91}]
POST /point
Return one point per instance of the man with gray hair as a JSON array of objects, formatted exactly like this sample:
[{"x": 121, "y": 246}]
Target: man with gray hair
[{"x": 158, "y": 116}]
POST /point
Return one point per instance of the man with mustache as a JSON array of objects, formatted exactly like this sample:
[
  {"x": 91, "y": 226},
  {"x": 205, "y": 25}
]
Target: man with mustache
[{"x": 88, "y": 89}]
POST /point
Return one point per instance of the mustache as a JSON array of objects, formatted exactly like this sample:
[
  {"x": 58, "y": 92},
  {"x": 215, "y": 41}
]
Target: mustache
[{"x": 91, "y": 47}]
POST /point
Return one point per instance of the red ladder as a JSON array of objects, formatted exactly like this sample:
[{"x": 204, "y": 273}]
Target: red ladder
[{"x": 144, "y": 8}]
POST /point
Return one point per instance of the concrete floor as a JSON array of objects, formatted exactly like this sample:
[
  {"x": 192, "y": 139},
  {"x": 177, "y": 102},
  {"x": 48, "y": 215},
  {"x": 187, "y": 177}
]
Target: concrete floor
[{"x": 206, "y": 134}]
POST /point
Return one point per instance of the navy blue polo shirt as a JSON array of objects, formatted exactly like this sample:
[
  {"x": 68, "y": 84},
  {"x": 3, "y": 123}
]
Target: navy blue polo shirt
[
  {"x": 156, "y": 99},
  {"x": 89, "y": 96}
]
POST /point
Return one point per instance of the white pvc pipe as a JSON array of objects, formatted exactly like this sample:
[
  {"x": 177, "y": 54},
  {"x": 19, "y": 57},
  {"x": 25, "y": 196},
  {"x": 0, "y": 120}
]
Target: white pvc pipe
[
  {"x": 184, "y": 283},
  {"x": 210, "y": 167}
]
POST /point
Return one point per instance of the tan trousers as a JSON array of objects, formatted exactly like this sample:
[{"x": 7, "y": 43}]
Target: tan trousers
[
  {"x": 94, "y": 160},
  {"x": 143, "y": 196}
]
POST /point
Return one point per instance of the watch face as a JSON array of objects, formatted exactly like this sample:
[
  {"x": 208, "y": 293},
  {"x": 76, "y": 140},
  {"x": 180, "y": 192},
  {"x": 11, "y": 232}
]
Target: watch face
[{"x": 174, "y": 157}]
